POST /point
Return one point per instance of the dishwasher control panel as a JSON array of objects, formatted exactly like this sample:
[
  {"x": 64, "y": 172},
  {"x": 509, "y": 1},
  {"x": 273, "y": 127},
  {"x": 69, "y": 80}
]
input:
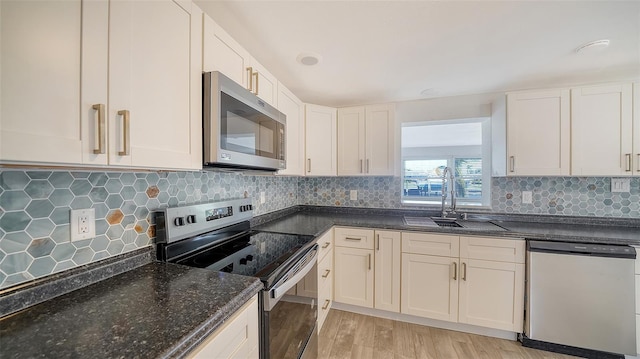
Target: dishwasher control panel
[{"x": 587, "y": 249}]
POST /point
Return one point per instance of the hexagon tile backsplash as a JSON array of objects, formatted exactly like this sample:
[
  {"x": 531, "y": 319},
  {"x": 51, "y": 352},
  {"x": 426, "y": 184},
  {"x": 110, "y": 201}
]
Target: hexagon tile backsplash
[
  {"x": 34, "y": 206},
  {"x": 34, "y": 212}
]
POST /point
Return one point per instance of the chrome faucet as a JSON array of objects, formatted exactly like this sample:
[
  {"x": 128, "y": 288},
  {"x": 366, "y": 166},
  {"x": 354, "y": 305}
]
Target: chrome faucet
[{"x": 452, "y": 188}]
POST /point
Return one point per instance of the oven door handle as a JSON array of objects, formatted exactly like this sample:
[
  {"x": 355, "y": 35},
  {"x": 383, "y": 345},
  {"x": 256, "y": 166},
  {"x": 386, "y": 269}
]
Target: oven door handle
[{"x": 280, "y": 289}]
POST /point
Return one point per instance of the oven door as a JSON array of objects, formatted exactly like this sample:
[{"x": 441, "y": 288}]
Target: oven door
[{"x": 289, "y": 318}]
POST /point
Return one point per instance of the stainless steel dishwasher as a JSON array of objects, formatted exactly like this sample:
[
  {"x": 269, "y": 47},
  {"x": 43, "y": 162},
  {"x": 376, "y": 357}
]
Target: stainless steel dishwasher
[{"x": 581, "y": 296}]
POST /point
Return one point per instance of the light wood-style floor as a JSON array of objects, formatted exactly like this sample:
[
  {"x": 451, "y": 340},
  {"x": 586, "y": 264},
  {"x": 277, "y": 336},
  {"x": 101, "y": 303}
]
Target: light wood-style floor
[{"x": 350, "y": 335}]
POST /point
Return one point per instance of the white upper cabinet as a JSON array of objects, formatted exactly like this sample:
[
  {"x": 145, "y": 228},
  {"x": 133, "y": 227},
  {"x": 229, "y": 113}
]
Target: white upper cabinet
[
  {"x": 57, "y": 58},
  {"x": 636, "y": 134},
  {"x": 293, "y": 108},
  {"x": 538, "y": 133},
  {"x": 43, "y": 105},
  {"x": 156, "y": 81},
  {"x": 602, "y": 125},
  {"x": 365, "y": 140},
  {"x": 222, "y": 53},
  {"x": 320, "y": 140}
]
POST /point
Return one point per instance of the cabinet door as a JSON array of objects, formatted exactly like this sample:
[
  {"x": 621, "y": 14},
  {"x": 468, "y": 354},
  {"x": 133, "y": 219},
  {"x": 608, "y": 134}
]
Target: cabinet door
[
  {"x": 380, "y": 134},
  {"x": 387, "y": 271},
  {"x": 351, "y": 140},
  {"x": 222, "y": 53},
  {"x": 154, "y": 74},
  {"x": 293, "y": 108},
  {"x": 325, "y": 288},
  {"x": 636, "y": 136},
  {"x": 53, "y": 56},
  {"x": 538, "y": 133},
  {"x": 492, "y": 294},
  {"x": 601, "y": 128},
  {"x": 320, "y": 140},
  {"x": 262, "y": 83},
  {"x": 353, "y": 279},
  {"x": 430, "y": 286}
]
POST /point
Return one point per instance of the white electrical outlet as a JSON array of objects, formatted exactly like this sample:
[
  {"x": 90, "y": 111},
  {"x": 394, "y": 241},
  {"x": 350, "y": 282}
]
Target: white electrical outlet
[
  {"x": 263, "y": 197},
  {"x": 82, "y": 224},
  {"x": 527, "y": 197},
  {"x": 353, "y": 195},
  {"x": 620, "y": 184}
]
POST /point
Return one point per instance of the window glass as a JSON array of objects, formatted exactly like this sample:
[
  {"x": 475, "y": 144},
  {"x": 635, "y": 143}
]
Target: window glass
[{"x": 427, "y": 148}]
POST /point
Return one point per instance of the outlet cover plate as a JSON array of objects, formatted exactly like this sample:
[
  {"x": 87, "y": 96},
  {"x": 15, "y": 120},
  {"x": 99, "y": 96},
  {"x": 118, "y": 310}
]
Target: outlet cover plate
[
  {"x": 82, "y": 224},
  {"x": 620, "y": 184},
  {"x": 353, "y": 195},
  {"x": 527, "y": 197}
]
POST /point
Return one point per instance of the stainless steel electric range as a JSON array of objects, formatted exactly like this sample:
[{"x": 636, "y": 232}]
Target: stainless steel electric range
[{"x": 218, "y": 236}]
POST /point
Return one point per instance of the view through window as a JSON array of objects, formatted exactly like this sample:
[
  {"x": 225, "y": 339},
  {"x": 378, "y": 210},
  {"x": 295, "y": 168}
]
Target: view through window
[{"x": 429, "y": 147}]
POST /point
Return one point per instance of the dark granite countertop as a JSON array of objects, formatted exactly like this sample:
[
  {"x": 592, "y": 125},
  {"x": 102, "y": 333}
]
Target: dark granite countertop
[
  {"x": 315, "y": 221},
  {"x": 158, "y": 310}
]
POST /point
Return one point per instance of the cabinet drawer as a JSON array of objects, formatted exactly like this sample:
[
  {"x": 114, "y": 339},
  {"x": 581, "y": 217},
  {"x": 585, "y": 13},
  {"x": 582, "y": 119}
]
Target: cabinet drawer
[
  {"x": 325, "y": 244},
  {"x": 430, "y": 244},
  {"x": 493, "y": 249},
  {"x": 325, "y": 300},
  {"x": 237, "y": 338},
  {"x": 638, "y": 294},
  {"x": 354, "y": 238},
  {"x": 325, "y": 271}
]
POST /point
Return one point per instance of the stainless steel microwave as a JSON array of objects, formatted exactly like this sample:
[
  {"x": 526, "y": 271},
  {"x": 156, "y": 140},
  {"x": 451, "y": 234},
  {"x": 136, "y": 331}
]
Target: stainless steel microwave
[{"x": 240, "y": 130}]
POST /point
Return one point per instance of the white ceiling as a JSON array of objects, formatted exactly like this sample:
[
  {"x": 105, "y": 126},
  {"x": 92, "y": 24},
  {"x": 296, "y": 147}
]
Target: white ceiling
[{"x": 386, "y": 51}]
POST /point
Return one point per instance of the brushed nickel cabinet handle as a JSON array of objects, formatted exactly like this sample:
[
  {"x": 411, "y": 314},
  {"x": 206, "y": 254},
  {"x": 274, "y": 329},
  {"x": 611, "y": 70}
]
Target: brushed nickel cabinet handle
[
  {"x": 250, "y": 78},
  {"x": 369, "y": 261},
  {"x": 125, "y": 132},
  {"x": 638, "y": 164},
  {"x": 308, "y": 164},
  {"x": 352, "y": 239},
  {"x": 326, "y": 304},
  {"x": 455, "y": 271},
  {"x": 255, "y": 91},
  {"x": 326, "y": 273},
  {"x": 464, "y": 271},
  {"x": 377, "y": 242},
  {"x": 512, "y": 163},
  {"x": 367, "y": 165},
  {"x": 100, "y": 129},
  {"x": 628, "y": 156},
  {"x": 361, "y": 166},
  {"x": 326, "y": 244}
]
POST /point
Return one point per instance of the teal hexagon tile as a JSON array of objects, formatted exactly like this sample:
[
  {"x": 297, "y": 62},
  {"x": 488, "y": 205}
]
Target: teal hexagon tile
[
  {"x": 163, "y": 184},
  {"x": 115, "y": 175},
  {"x": 141, "y": 199},
  {"x": 142, "y": 240},
  {"x": 114, "y": 201},
  {"x": 129, "y": 247},
  {"x": 63, "y": 252},
  {"x": 41, "y": 247},
  {"x": 127, "y": 178},
  {"x": 16, "y": 262},
  {"x": 61, "y": 234},
  {"x": 80, "y": 174},
  {"x": 128, "y": 192},
  {"x": 101, "y": 226},
  {"x": 14, "y": 221},
  {"x": 15, "y": 242},
  {"x": 14, "y": 200},
  {"x": 101, "y": 210},
  {"x": 61, "y": 179},
  {"x": 38, "y": 174},
  {"x": 153, "y": 178},
  {"x": 40, "y": 228},
  {"x": 64, "y": 265},
  {"x": 128, "y": 221},
  {"x": 13, "y": 180},
  {"x": 82, "y": 202},
  {"x": 80, "y": 187},
  {"x": 41, "y": 267},
  {"x": 98, "y": 179},
  {"x": 17, "y": 278},
  {"x": 83, "y": 256},
  {"x": 128, "y": 207},
  {"x": 39, "y": 208},
  {"x": 83, "y": 243},
  {"x": 140, "y": 185},
  {"x": 98, "y": 194},
  {"x": 61, "y": 197},
  {"x": 129, "y": 236},
  {"x": 113, "y": 186},
  {"x": 115, "y": 232},
  {"x": 115, "y": 247},
  {"x": 100, "y": 255},
  {"x": 99, "y": 243},
  {"x": 37, "y": 189}
]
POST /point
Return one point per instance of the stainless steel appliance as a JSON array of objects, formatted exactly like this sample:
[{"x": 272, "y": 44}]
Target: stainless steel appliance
[
  {"x": 239, "y": 129},
  {"x": 580, "y": 296},
  {"x": 218, "y": 236}
]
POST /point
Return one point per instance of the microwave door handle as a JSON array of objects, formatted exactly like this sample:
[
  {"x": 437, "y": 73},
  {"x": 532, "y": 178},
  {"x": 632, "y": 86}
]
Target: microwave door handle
[{"x": 284, "y": 287}]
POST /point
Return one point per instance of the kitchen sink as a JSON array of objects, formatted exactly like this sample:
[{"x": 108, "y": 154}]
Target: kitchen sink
[{"x": 435, "y": 222}]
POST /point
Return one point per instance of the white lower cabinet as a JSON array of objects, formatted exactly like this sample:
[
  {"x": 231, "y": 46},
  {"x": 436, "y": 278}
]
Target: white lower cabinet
[
  {"x": 471, "y": 280},
  {"x": 637, "y": 300},
  {"x": 354, "y": 276},
  {"x": 237, "y": 338},
  {"x": 387, "y": 271}
]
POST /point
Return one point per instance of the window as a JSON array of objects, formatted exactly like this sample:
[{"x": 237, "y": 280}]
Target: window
[{"x": 429, "y": 147}]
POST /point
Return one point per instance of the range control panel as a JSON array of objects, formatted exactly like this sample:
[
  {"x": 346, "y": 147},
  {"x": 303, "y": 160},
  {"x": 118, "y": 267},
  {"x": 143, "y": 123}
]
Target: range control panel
[{"x": 177, "y": 223}]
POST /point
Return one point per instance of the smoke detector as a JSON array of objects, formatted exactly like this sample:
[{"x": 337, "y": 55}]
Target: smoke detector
[{"x": 308, "y": 59}]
